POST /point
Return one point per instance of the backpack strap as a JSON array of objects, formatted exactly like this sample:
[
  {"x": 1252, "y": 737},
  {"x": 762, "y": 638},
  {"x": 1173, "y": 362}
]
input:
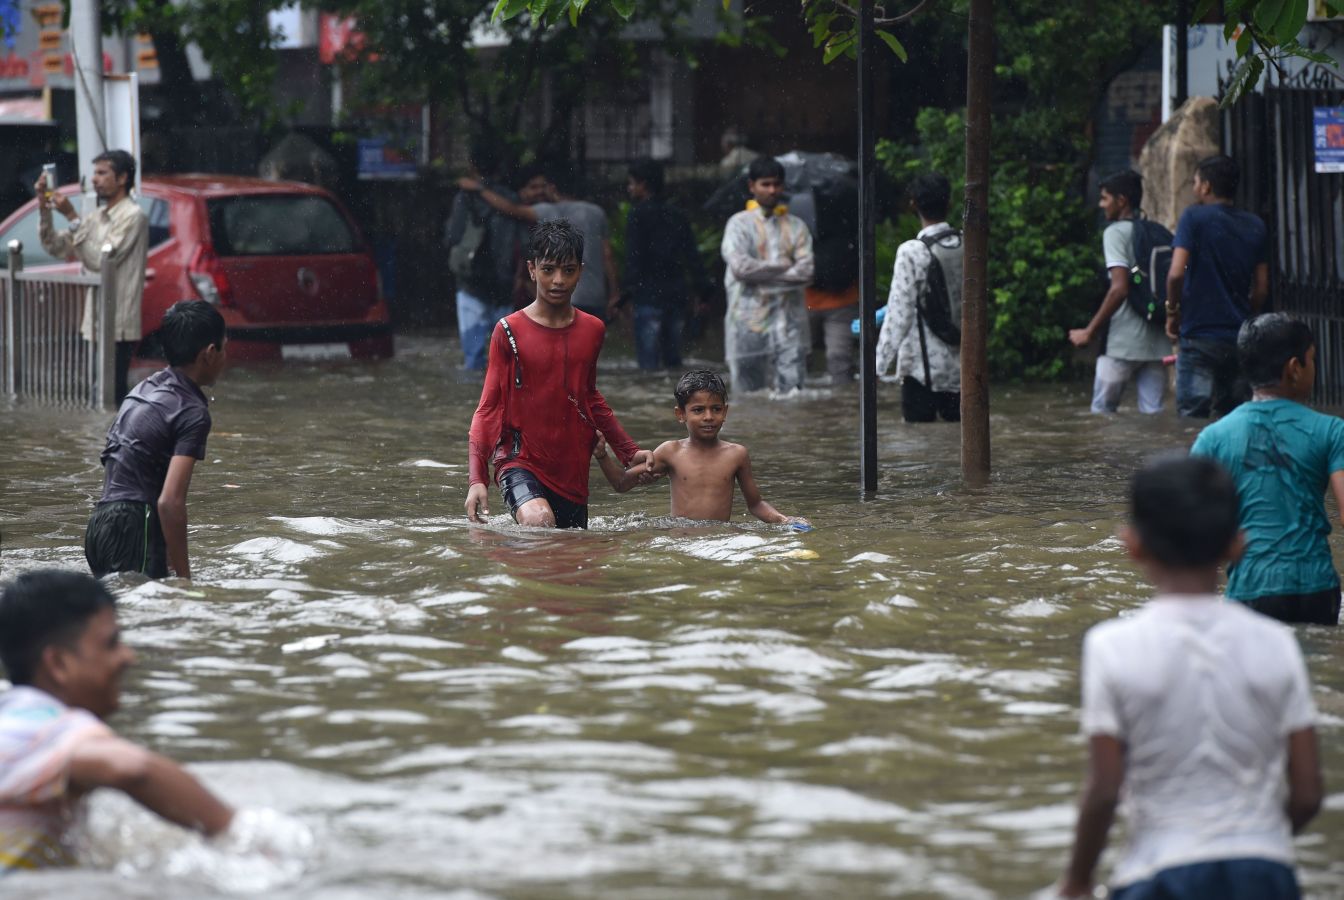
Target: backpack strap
[
  {"x": 923, "y": 347},
  {"x": 517, "y": 360}
]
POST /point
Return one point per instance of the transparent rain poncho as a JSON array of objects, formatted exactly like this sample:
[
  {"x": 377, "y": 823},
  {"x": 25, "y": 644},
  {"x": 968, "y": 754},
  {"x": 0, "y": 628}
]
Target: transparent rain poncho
[{"x": 765, "y": 335}]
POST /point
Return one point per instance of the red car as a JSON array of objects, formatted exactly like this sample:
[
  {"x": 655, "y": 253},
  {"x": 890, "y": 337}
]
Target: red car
[{"x": 283, "y": 261}]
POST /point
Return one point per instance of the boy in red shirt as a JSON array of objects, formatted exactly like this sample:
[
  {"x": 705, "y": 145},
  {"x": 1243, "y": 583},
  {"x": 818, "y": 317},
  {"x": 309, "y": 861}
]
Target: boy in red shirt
[{"x": 540, "y": 410}]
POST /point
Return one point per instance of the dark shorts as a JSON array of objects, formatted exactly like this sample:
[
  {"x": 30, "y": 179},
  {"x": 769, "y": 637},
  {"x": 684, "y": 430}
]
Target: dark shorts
[
  {"x": 519, "y": 486},
  {"x": 125, "y": 536},
  {"x": 919, "y": 404},
  {"x": 1223, "y": 879},
  {"x": 1320, "y": 608}
]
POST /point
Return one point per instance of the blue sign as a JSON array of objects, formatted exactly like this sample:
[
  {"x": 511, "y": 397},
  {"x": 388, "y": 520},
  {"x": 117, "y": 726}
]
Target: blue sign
[
  {"x": 1328, "y": 136},
  {"x": 380, "y": 158}
]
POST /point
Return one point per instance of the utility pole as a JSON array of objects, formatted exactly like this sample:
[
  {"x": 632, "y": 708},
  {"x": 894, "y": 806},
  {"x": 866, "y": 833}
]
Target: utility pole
[
  {"x": 867, "y": 253},
  {"x": 86, "y": 40},
  {"x": 975, "y": 247}
]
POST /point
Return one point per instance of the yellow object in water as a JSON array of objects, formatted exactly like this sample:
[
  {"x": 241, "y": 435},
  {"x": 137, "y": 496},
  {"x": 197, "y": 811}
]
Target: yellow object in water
[{"x": 797, "y": 554}]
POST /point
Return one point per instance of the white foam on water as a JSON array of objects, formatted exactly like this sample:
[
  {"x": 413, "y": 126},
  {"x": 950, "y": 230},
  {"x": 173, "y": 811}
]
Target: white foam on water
[
  {"x": 429, "y": 464},
  {"x": 274, "y": 549}
]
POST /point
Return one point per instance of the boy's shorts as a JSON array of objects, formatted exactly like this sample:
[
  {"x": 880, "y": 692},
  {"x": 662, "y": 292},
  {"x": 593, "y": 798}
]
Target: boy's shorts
[
  {"x": 125, "y": 536},
  {"x": 1320, "y": 608},
  {"x": 518, "y": 486},
  {"x": 1223, "y": 879}
]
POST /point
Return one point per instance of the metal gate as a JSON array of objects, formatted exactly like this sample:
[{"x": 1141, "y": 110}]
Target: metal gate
[
  {"x": 45, "y": 357},
  {"x": 1270, "y": 135}
]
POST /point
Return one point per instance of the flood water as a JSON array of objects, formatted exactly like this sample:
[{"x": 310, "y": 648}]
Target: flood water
[{"x": 883, "y": 707}]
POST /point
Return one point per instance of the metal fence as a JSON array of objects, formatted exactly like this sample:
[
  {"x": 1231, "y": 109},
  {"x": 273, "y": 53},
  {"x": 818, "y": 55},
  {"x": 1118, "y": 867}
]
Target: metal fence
[
  {"x": 1270, "y": 135},
  {"x": 46, "y": 358}
]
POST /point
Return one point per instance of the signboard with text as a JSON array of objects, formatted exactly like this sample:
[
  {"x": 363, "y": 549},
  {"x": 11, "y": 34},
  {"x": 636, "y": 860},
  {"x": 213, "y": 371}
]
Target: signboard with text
[{"x": 1327, "y": 131}]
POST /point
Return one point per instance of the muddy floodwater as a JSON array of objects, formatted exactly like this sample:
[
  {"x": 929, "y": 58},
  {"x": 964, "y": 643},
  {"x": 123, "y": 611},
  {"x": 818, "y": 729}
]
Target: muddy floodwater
[{"x": 883, "y": 707}]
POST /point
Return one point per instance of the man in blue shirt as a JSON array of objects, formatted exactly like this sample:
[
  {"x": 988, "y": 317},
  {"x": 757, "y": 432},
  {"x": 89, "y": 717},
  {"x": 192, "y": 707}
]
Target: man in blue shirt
[{"x": 1219, "y": 278}]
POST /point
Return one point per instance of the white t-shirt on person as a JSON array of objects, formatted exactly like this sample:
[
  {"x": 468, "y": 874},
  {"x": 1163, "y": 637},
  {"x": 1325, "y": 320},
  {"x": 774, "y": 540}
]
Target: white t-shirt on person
[{"x": 1204, "y": 694}]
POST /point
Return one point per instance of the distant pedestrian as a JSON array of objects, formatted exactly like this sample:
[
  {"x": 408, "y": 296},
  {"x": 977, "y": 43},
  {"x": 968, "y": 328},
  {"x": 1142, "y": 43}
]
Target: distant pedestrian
[
  {"x": 768, "y": 252},
  {"x": 833, "y": 295},
  {"x": 1219, "y": 278},
  {"x": 540, "y": 411},
  {"x": 61, "y": 649},
  {"x": 1200, "y": 710},
  {"x": 1283, "y": 456},
  {"x": 663, "y": 275},
  {"x": 599, "y": 288},
  {"x": 925, "y": 283},
  {"x": 484, "y": 250},
  {"x": 119, "y": 222},
  {"x": 1134, "y": 347},
  {"x": 140, "y": 522}
]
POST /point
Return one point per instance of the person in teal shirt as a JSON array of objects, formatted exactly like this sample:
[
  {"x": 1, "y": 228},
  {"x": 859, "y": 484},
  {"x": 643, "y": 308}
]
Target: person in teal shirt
[{"x": 1282, "y": 456}]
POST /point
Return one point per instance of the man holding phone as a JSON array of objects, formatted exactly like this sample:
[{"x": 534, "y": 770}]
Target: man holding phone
[{"x": 119, "y": 221}]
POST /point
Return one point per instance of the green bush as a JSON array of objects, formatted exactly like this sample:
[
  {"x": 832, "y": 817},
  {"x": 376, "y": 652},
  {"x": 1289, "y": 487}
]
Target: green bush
[{"x": 1044, "y": 250}]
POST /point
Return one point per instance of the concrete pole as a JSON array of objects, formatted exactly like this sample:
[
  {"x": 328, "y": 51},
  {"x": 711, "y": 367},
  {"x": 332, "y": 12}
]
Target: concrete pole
[{"x": 86, "y": 40}]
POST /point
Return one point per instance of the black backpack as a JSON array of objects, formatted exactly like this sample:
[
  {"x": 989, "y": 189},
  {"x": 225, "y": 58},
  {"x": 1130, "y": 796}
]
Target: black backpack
[
  {"x": 1151, "y": 247},
  {"x": 934, "y": 303}
]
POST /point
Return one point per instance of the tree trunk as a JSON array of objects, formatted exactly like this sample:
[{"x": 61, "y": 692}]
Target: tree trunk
[{"x": 975, "y": 289}]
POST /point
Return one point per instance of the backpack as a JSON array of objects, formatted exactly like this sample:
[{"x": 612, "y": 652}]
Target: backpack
[
  {"x": 939, "y": 307},
  {"x": 835, "y": 263},
  {"x": 469, "y": 258},
  {"x": 1151, "y": 247}
]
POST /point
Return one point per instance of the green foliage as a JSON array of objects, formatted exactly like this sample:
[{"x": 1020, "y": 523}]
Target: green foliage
[
  {"x": 1269, "y": 32},
  {"x": 1043, "y": 248},
  {"x": 234, "y": 36}
]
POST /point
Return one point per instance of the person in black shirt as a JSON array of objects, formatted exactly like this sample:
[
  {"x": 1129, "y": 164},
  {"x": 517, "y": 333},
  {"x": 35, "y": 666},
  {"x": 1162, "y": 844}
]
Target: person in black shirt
[
  {"x": 140, "y": 523},
  {"x": 662, "y": 267}
]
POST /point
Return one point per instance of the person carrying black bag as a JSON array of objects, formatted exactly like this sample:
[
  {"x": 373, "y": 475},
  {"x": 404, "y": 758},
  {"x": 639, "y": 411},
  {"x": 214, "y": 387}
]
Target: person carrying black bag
[{"x": 922, "y": 328}]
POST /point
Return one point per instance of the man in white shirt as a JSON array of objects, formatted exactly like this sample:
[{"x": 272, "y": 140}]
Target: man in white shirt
[
  {"x": 118, "y": 221},
  {"x": 1134, "y": 347},
  {"x": 927, "y": 363},
  {"x": 1200, "y": 708}
]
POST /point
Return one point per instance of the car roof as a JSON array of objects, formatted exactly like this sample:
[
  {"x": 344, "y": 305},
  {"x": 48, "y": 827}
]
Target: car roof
[{"x": 214, "y": 185}]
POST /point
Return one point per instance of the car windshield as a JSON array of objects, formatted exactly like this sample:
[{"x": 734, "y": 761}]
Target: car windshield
[{"x": 278, "y": 225}]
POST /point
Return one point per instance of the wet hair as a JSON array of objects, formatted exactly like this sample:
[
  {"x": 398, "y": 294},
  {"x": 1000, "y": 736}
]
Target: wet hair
[
  {"x": 527, "y": 173},
  {"x": 699, "y": 380},
  {"x": 122, "y": 163},
  {"x": 1266, "y": 343},
  {"x": 45, "y": 607},
  {"x": 1185, "y": 510},
  {"x": 557, "y": 241},
  {"x": 648, "y": 172},
  {"x": 1222, "y": 173},
  {"x": 931, "y": 193},
  {"x": 485, "y": 155},
  {"x": 765, "y": 167},
  {"x": 189, "y": 326},
  {"x": 1126, "y": 183}
]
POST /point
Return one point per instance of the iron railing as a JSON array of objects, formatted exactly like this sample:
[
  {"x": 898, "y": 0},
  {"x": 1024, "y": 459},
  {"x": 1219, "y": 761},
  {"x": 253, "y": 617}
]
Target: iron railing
[
  {"x": 46, "y": 358},
  {"x": 1270, "y": 135}
]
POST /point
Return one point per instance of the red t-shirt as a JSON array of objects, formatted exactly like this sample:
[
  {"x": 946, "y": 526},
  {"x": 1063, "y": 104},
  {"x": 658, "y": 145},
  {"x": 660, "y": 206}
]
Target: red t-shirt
[{"x": 548, "y": 396}]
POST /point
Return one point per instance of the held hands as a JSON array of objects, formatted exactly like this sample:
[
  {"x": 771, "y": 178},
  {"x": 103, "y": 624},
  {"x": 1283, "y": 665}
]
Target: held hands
[
  {"x": 477, "y": 504},
  {"x": 642, "y": 464}
]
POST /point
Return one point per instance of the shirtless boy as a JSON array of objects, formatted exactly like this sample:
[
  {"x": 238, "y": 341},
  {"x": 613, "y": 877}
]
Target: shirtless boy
[{"x": 702, "y": 467}]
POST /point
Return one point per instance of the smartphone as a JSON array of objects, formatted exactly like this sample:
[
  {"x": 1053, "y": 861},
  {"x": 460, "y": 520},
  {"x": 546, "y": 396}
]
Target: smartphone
[{"x": 49, "y": 170}]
